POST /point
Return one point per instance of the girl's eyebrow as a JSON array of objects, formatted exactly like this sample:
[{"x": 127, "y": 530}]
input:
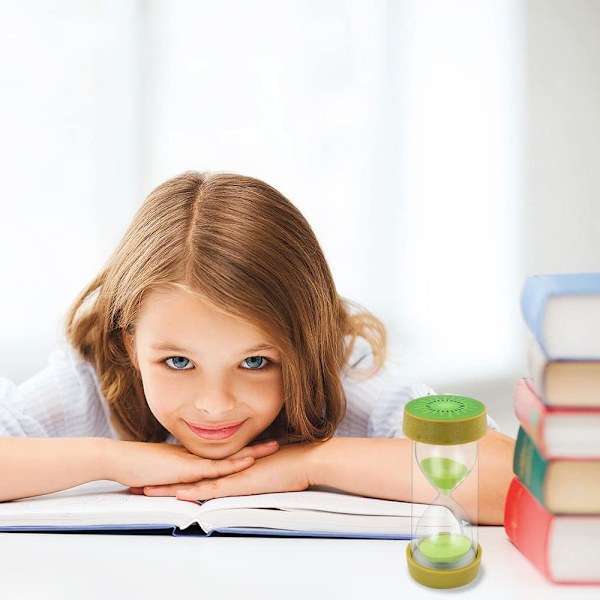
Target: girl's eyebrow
[
  {"x": 261, "y": 346},
  {"x": 169, "y": 346}
]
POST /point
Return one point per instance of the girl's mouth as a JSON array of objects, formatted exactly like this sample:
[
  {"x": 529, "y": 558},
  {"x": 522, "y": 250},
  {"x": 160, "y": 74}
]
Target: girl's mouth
[{"x": 215, "y": 434}]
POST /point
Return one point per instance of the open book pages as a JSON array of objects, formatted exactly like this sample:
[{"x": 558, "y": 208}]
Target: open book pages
[{"x": 108, "y": 505}]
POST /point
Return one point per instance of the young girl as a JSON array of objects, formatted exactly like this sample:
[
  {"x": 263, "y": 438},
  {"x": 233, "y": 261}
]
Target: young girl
[{"x": 216, "y": 327}]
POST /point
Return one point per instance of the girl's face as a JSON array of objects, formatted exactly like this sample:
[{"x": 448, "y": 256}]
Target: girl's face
[{"x": 203, "y": 370}]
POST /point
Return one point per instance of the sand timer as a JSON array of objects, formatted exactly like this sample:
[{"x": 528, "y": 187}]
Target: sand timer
[{"x": 445, "y": 429}]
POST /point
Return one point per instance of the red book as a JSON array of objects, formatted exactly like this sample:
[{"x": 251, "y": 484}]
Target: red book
[
  {"x": 565, "y": 548},
  {"x": 566, "y": 432}
]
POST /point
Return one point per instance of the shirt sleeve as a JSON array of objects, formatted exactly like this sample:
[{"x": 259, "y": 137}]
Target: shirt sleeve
[
  {"x": 62, "y": 400},
  {"x": 375, "y": 404}
]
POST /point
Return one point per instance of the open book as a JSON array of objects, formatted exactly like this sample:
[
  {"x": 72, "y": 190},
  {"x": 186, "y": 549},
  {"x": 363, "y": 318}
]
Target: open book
[{"x": 109, "y": 506}]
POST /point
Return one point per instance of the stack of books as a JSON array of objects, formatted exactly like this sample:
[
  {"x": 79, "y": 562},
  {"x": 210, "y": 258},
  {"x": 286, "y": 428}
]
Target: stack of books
[{"x": 552, "y": 510}]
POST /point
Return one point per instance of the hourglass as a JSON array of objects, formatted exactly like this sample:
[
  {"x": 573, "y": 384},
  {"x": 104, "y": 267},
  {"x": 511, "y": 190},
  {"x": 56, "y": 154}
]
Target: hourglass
[{"x": 445, "y": 429}]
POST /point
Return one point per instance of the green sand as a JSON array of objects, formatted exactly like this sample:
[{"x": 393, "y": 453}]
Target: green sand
[
  {"x": 444, "y": 473},
  {"x": 445, "y": 547}
]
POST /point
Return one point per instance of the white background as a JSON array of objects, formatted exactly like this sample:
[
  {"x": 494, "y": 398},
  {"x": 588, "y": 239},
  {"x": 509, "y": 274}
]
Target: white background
[{"x": 442, "y": 151}]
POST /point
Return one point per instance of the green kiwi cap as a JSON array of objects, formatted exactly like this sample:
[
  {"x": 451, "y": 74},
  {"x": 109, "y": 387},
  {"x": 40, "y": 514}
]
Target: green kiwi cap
[{"x": 444, "y": 419}]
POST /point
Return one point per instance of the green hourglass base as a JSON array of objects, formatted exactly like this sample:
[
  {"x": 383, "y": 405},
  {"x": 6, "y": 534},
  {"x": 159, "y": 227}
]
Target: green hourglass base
[{"x": 443, "y": 578}]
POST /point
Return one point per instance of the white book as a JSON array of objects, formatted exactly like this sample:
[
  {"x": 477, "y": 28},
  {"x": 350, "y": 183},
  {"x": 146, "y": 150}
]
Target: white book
[{"x": 109, "y": 506}]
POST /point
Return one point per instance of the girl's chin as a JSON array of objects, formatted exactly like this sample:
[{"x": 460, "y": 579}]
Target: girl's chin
[{"x": 207, "y": 450}]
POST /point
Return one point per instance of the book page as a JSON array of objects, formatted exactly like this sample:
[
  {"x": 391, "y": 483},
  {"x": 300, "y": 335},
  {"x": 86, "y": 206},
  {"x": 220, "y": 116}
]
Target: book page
[
  {"x": 97, "y": 503},
  {"x": 572, "y": 327},
  {"x": 316, "y": 501},
  {"x": 305, "y": 521}
]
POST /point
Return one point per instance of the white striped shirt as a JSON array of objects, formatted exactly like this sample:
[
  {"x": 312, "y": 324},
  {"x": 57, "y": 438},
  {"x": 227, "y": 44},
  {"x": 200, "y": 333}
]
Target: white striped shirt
[{"x": 65, "y": 400}]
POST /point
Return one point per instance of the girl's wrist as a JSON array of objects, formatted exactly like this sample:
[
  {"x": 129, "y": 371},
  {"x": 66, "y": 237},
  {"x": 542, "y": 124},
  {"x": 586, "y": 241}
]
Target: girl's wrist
[
  {"x": 105, "y": 450},
  {"x": 316, "y": 460}
]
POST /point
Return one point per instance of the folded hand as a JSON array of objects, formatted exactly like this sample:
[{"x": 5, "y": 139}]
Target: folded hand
[
  {"x": 138, "y": 464},
  {"x": 284, "y": 471}
]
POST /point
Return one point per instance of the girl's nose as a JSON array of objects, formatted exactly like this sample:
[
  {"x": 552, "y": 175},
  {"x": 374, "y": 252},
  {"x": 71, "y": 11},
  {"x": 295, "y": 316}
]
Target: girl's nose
[{"x": 214, "y": 397}]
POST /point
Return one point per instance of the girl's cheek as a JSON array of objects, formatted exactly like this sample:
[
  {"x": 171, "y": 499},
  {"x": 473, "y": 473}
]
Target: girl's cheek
[{"x": 161, "y": 399}]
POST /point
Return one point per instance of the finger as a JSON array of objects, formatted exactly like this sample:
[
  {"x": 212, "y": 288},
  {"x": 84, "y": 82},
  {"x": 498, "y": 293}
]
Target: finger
[
  {"x": 209, "y": 469},
  {"x": 204, "y": 490},
  {"x": 138, "y": 491},
  {"x": 163, "y": 490},
  {"x": 257, "y": 450},
  {"x": 237, "y": 484},
  {"x": 218, "y": 468},
  {"x": 282, "y": 440}
]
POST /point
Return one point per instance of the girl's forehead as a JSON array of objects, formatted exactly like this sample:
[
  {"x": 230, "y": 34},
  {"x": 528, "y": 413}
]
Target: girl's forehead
[
  {"x": 157, "y": 299},
  {"x": 184, "y": 312}
]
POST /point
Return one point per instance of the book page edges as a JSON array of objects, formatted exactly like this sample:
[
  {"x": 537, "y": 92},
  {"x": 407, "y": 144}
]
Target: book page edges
[
  {"x": 571, "y": 328},
  {"x": 574, "y": 548}
]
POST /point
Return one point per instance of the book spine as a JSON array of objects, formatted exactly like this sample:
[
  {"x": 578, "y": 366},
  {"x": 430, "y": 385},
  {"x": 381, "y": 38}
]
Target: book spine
[
  {"x": 529, "y": 465},
  {"x": 527, "y": 525},
  {"x": 533, "y": 305},
  {"x": 531, "y": 413}
]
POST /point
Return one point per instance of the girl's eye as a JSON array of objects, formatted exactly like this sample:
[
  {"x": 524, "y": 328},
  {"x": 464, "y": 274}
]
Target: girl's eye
[
  {"x": 180, "y": 363},
  {"x": 255, "y": 363}
]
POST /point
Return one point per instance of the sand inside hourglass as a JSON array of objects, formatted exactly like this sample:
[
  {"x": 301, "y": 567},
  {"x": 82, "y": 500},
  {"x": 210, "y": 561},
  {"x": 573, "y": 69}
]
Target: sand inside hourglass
[
  {"x": 443, "y": 473},
  {"x": 450, "y": 549}
]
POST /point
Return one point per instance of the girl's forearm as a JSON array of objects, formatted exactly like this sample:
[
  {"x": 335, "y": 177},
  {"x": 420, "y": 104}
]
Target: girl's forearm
[
  {"x": 33, "y": 466},
  {"x": 381, "y": 468}
]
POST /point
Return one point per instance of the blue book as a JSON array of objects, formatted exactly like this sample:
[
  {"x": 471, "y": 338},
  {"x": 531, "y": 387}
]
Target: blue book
[
  {"x": 108, "y": 507},
  {"x": 562, "y": 311}
]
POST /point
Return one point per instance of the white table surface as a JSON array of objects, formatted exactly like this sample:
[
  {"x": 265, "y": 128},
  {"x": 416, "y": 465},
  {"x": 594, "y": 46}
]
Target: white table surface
[{"x": 90, "y": 566}]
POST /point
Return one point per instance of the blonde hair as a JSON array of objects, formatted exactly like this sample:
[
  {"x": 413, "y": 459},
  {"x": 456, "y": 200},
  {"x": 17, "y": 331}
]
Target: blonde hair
[{"x": 239, "y": 244}]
